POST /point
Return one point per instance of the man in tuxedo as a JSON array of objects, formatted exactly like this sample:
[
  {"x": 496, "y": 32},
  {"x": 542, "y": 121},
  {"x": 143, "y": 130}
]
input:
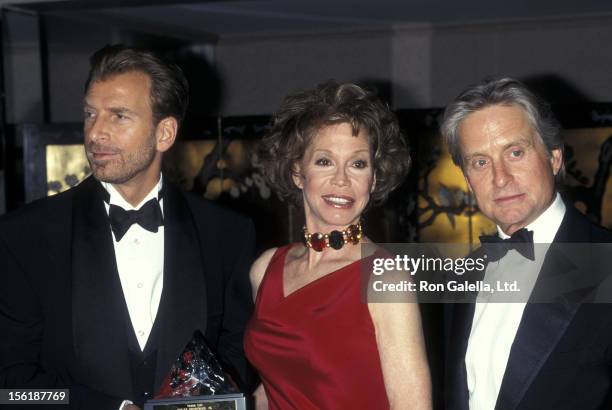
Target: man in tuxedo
[
  {"x": 523, "y": 355},
  {"x": 102, "y": 286}
]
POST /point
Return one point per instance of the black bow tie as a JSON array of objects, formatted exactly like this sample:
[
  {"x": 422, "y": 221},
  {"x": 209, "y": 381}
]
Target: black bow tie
[
  {"x": 521, "y": 240},
  {"x": 149, "y": 216}
]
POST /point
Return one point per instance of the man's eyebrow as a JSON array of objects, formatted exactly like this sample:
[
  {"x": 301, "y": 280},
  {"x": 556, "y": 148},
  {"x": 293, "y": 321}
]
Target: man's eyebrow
[
  {"x": 468, "y": 158},
  {"x": 121, "y": 110},
  {"x": 519, "y": 141},
  {"x": 114, "y": 110},
  {"x": 474, "y": 154}
]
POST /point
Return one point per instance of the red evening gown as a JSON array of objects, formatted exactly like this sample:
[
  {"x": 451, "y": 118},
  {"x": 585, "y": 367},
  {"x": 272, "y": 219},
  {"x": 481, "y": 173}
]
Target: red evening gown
[{"x": 316, "y": 347}]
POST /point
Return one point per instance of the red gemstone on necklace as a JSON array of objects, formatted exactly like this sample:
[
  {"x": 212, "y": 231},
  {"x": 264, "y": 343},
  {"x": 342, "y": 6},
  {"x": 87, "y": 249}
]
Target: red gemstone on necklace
[
  {"x": 317, "y": 241},
  {"x": 353, "y": 234}
]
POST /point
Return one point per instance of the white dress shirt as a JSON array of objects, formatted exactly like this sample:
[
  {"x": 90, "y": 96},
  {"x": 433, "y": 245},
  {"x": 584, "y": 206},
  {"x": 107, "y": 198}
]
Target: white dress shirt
[
  {"x": 140, "y": 262},
  {"x": 495, "y": 324}
]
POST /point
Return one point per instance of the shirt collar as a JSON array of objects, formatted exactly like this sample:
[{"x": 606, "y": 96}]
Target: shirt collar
[
  {"x": 117, "y": 199},
  {"x": 546, "y": 225}
]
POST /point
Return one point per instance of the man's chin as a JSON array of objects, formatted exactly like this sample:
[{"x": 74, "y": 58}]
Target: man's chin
[
  {"x": 511, "y": 222},
  {"x": 105, "y": 177}
]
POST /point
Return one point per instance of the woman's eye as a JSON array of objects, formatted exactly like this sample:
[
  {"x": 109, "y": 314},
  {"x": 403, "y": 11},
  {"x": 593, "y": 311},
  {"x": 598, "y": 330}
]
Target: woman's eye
[
  {"x": 323, "y": 162},
  {"x": 360, "y": 164}
]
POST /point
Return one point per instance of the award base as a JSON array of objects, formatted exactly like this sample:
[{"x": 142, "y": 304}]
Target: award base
[{"x": 216, "y": 402}]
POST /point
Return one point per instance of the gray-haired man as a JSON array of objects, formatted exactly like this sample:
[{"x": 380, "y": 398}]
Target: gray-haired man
[{"x": 523, "y": 355}]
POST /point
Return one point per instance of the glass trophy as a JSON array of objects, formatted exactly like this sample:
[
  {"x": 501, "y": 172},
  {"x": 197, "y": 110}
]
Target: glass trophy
[{"x": 197, "y": 382}]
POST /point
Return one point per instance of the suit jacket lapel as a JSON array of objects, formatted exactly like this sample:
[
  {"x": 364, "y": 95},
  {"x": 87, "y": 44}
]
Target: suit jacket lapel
[
  {"x": 543, "y": 324},
  {"x": 98, "y": 305},
  {"x": 541, "y": 328},
  {"x": 182, "y": 308}
]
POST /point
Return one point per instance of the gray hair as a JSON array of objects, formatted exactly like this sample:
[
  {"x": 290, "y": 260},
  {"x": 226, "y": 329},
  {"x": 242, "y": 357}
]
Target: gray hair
[{"x": 507, "y": 92}]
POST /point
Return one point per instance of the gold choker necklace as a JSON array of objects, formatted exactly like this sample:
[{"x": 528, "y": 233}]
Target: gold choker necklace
[{"x": 335, "y": 239}]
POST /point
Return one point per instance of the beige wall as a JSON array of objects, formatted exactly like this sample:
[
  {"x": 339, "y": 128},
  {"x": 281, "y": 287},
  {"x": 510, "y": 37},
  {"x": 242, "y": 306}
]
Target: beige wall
[
  {"x": 576, "y": 51},
  {"x": 411, "y": 66},
  {"x": 425, "y": 65},
  {"x": 259, "y": 72}
]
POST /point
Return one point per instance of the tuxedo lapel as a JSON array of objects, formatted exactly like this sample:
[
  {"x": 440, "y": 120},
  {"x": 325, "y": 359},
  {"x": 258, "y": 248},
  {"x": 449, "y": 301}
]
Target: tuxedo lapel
[
  {"x": 541, "y": 328},
  {"x": 543, "y": 324},
  {"x": 182, "y": 308},
  {"x": 98, "y": 305}
]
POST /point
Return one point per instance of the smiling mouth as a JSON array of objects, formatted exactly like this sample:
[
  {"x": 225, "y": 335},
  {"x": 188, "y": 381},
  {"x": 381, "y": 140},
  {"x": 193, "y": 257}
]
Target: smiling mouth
[{"x": 339, "y": 201}]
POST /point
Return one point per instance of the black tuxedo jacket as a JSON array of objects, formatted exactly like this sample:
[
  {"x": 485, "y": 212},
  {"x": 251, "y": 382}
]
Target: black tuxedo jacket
[
  {"x": 62, "y": 309},
  {"x": 561, "y": 357}
]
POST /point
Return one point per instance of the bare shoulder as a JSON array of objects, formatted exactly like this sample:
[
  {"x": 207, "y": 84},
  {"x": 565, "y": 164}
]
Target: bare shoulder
[
  {"x": 400, "y": 342},
  {"x": 258, "y": 268},
  {"x": 400, "y": 316},
  {"x": 392, "y": 309}
]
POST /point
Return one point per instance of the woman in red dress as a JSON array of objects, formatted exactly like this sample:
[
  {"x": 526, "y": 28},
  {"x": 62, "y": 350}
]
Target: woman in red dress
[{"x": 333, "y": 150}]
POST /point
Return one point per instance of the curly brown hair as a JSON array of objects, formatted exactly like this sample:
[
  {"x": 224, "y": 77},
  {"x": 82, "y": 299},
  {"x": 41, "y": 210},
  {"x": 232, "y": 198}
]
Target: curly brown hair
[{"x": 303, "y": 114}]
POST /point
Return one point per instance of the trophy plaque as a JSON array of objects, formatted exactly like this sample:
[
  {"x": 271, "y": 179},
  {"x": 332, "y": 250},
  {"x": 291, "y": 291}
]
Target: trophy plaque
[
  {"x": 215, "y": 402},
  {"x": 197, "y": 382}
]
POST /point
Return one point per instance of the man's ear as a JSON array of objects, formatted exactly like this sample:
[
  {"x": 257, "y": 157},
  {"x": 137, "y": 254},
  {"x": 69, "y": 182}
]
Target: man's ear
[
  {"x": 556, "y": 160},
  {"x": 165, "y": 133},
  {"x": 296, "y": 174}
]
